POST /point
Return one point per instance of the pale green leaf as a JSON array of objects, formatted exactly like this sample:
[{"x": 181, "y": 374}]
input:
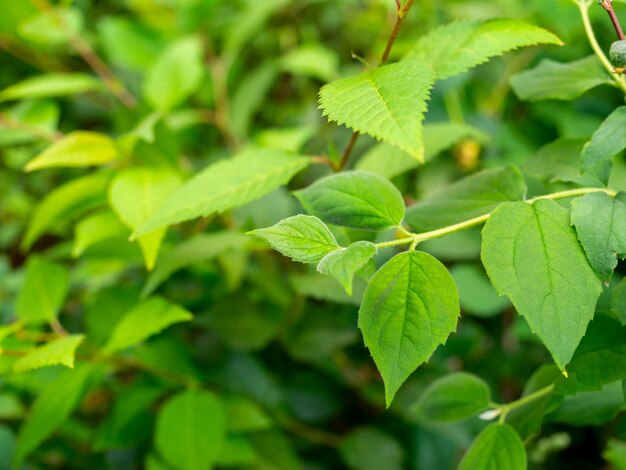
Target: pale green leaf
[
  {"x": 175, "y": 75},
  {"x": 454, "y": 397},
  {"x": 387, "y": 103},
  {"x": 607, "y": 141},
  {"x": 532, "y": 255},
  {"x": 145, "y": 320},
  {"x": 227, "y": 184},
  {"x": 36, "y": 115},
  {"x": 54, "y": 403},
  {"x": 129, "y": 43},
  {"x": 313, "y": 60},
  {"x": 60, "y": 351},
  {"x": 552, "y": 80},
  {"x": 52, "y": 28},
  {"x": 65, "y": 202},
  {"x": 498, "y": 446},
  {"x": 50, "y": 85},
  {"x": 410, "y": 307},
  {"x": 600, "y": 222},
  {"x": 344, "y": 263},
  {"x": 190, "y": 430},
  {"x": 467, "y": 198},
  {"x": 95, "y": 229},
  {"x": 355, "y": 199},
  {"x": 78, "y": 149},
  {"x": 135, "y": 195},
  {"x": 457, "y": 47},
  {"x": 303, "y": 238},
  {"x": 43, "y": 291}
]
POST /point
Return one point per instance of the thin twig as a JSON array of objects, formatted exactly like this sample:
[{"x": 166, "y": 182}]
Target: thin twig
[{"x": 608, "y": 6}]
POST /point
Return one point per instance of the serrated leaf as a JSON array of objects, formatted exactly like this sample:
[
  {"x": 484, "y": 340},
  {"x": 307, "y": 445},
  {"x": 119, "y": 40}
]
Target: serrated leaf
[
  {"x": 467, "y": 198},
  {"x": 135, "y": 195},
  {"x": 60, "y": 351},
  {"x": 355, "y": 199},
  {"x": 145, "y": 320},
  {"x": 457, "y": 47},
  {"x": 43, "y": 291},
  {"x": 600, "y": 222},
  {"x": 387, "y": 103},
  {"x": 64, "y": 202},
  {"x": 532, "y": 255},
  {"x": 607, "y": 141},
  {"x": 51, "y": 85},
  {"x": 344, "y": 263},
  {"x": 190, "y": 430},
  {"x": 53, "y": 405},
  {"x": 227, "y": 184},
  {"x": 497, "y": 446},
  {"x": 552, "y": 80},
  {"x": 175, "y": 75},
  {"x": 78, "y": 149},
  {"x": 303, "y": 238},
  {"x": 410, "y": 307},
  {"x": 454, "y": 397}
]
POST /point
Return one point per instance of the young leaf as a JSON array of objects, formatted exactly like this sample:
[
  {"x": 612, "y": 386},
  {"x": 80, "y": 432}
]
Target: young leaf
[
  {"x": 50, "y": 85},
  {"x": 226, "y": 185},
  {"x": 344, "y": 263},
  {"x": 190, "y": 430},
  {"x": 607, "y": 141},
  {"x": 454, "y": 397},
  {"x": 465, "y": 199},
  {"x": 175, "y": 75},
  {"x": 78, "y": 149},
  {"x": 552, "y": 80},
  {"x": 303, "y": 238},
  {"x": 532, "y": 255},
  {"x": 42, "y": 293},
  {"x": 355, "y": 199},
  {"x": 53, "y": 405},
  {"x": 600, "y": 222},
  {"x": 145, "y": 320},
  {"x": 410, "y": 307},
  {"x": 387, "y": 103},
  {"x": 59, "y": 351},
  {"x": 136, "y": 195},
  {"x": 497, "y": 446},
  {"x": 457, "y": 47}
]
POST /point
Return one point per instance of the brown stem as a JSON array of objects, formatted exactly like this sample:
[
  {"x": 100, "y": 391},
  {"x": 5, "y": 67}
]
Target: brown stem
[
  {"x": 400, "y": 17},
  {"x": 81, "y": 46},
  {"x": 608, "y": 6}
]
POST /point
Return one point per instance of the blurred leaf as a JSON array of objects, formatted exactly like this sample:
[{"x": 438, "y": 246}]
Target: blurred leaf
[
  {"x": 615, "y": 454},
  {"x": 51, "y": 85},
  {"x": 41, "y": 116},
  {"x": 312, "y": 60},
  {"x": 94, "y": 229},
  {"x": 497, "y": 446},
  {"x": 52, "y": 28},
  {"x": 244, "y": 416},
  {"x": 57, "y": 352},
  {"x": 236, "y": 451},
  {"x": 590, "y": 408},
  {"x": 128, "y": 43},
  {"x": 7, "y": 447},
  {"x": 476, "y": 294},
  {"x": 371, "y": 449}
]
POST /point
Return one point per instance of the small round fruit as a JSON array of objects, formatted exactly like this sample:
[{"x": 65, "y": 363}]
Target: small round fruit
[{"x": 618, "y": 54}]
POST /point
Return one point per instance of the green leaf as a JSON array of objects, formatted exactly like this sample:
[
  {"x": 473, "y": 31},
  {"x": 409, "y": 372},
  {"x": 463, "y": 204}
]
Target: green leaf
[
  {"x": 129, "y": 43},
  {"x": 410, "y": 307},
  {"x": 467, "y": 198},
  {"x": 618, "y": 301},
  {"x": 371, "y": 449},
  {"x": 198, "y": 249},
  {"x": 312, "y": 60},
  {"x": 457, "y": 47},
  {"x": 600, "y": 222},
  {"x": 135, "y": 195},
  {"x": 532, "y": 255},
  {"x": 387, "y": 103},
  {"x": 227, "y": 184},
  {"x": 607, "y": 141},
  {"x": 354, "y": 199},
  {"x": 303, "y": 238},
  {"x": 36, "y": 115},
  {"x": 51, "y": 85},
  {"x": 190, "y": 430},
  {"x": 454, "y": 397},
  {"x": 344, "y": 263},
  {"x": 145, "y": 320},
  {"x": 237, "y": 451},
  {"x": 244, "y": 416},
  {"x": 95, "y": 229},
  {"x": 176, "y": 75},
  {"x": 615, "y": 454},
  {"x": 54, "y": 403},
  {"x": 65, "y": 202},
  {"x": 78, "y": 149},
  {"x": 42, "y": 293},
  {"x": 590, "y": 408},
  {"x": 552, "y": 80},
  {"x": 497, "y": 446},
  {"x": 476, "y": 294},
  {"x": 59, "y": 351}
]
